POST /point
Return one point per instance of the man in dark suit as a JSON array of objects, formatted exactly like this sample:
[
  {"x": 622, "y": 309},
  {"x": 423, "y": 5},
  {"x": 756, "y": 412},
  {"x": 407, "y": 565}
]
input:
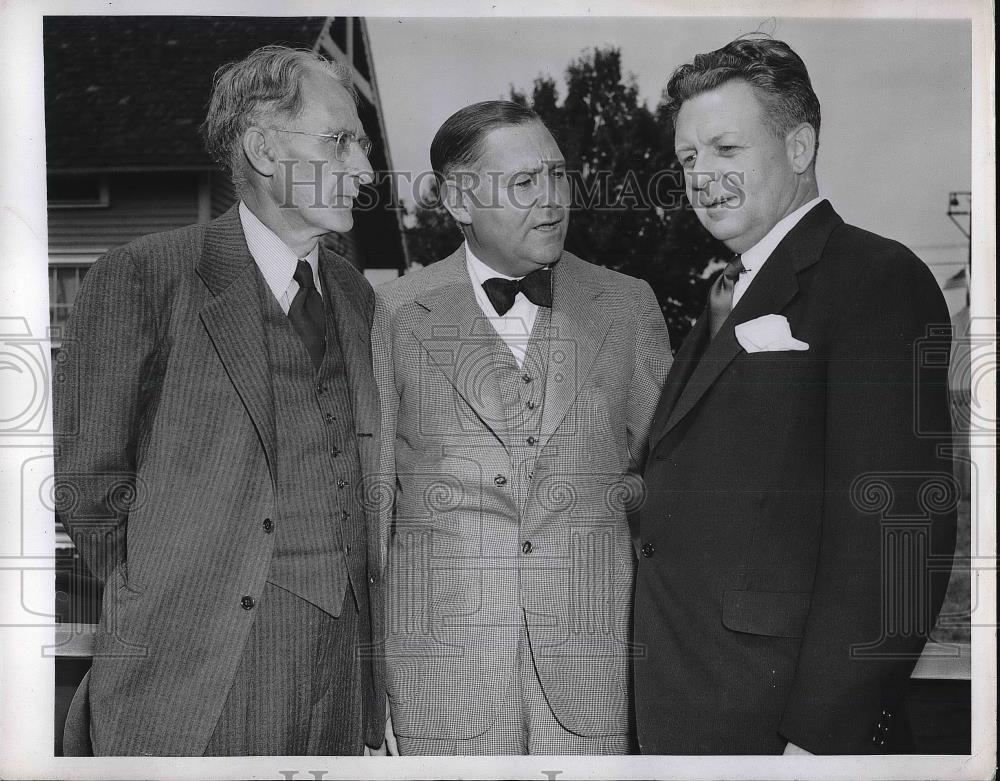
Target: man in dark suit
[
  {"x": 210, "y": 459},
  {"x": 517, "y": 384},
  {"x": 799, "y": 522}
]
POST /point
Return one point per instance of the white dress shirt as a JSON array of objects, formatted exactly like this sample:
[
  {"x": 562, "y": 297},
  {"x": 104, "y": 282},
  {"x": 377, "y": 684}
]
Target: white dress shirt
[
  {"x": 275, "y": 260},
  {"x": 514, "y": 327},
  {"x": 755, "y": 257}
]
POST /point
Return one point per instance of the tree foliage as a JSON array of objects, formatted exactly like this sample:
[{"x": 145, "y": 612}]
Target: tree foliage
[{"x": 629, "y": 213}]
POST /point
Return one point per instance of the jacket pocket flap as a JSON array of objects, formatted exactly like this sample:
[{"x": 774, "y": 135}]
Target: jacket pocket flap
[{"x": 772, "y": 613}]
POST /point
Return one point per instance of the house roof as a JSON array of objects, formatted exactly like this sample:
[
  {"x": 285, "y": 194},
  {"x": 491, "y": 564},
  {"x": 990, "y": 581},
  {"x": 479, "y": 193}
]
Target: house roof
[{"x": 131, "y": 91}]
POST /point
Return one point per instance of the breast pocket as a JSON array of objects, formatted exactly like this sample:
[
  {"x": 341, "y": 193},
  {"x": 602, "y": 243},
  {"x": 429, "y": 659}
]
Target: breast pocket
[{"x": 770, "y": 613}]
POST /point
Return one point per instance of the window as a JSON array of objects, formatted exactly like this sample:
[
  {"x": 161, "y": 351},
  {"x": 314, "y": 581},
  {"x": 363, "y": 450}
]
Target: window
[
  {"x": 73, "y": 191},
  {"x": 65, "y": 276}
]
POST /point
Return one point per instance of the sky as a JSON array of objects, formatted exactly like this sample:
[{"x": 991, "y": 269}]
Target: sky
[{"x": 895, "y": 95}]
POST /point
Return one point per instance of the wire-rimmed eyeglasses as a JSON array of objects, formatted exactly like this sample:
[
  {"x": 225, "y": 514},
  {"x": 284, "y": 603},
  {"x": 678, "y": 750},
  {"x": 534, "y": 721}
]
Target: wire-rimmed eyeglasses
[{"x": 341, "y": 141}]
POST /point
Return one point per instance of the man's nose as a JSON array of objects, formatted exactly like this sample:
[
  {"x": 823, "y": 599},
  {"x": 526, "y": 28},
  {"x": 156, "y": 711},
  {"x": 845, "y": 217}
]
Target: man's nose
[
  {"x": 555, "y": 193},
  {"x": 701, "y": 178},
  {"x": 359, "y": 166}
]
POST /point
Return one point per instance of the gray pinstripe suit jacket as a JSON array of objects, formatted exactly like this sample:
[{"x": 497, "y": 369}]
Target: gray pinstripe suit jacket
[
  {"x": 165, "y": 434},
  {"x": 457, "y": 573}
]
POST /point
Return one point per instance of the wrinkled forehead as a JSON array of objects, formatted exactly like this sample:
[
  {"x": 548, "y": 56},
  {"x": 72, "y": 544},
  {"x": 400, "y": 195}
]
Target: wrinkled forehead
[
  {"x": 326, "y": 103},
  {"x": 732, "y": 107},
  {"x": 511, "y": 149}
]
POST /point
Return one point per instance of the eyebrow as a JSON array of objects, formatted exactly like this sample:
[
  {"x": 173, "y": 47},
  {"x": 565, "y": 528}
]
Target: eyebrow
[
  {"x": 537, "y": 169},
  {"x": 711, "y": 142},
  {"x": 343, "y": 129}
]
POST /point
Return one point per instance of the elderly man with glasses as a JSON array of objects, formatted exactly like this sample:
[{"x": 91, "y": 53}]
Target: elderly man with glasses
[{"x": 222, "y": 419}]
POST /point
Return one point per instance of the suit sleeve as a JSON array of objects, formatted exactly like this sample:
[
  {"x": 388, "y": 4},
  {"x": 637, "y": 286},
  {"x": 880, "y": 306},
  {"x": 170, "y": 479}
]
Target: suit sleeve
[
  {"x": 651, "y": 363},
  {"x": 888, "y": 524},
  {"x": 97, "y": 404},
  {"x": 382, "y": 360}
]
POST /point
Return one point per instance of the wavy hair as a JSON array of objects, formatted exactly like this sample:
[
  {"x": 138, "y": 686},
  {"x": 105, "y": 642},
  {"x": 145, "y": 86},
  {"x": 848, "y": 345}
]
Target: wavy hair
[
  {"x": 266, "y": 81},
  {"x": 777, "y": 74}
]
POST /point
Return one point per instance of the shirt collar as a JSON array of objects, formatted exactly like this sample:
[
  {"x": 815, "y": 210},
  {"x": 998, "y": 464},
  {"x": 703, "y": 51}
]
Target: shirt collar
[
  {"x": 273, "y": 257},
  {"x": 756, "y": 256},
  {"x": 478, "y": 270}
]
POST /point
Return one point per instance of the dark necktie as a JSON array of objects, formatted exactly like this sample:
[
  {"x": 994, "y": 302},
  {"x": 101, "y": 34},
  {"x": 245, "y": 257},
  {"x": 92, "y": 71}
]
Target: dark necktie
[
  {"x": 720, "y": 299},
  {"x": 536, "y": 286},
  {"x": 307, "y": 314}
]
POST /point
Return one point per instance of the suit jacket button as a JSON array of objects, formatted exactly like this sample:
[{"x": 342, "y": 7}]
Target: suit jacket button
[
  {"x": 247, "y": 602},
  {"x": 648, "y": 550},
  {"x": 526, "y": 547},
  {"x": 532, "y": 440},
  {"x": 526, "y": 378},
  {"x": 371, "y": 579},
  {"x": 268, "y": 525},
  {"x": 499, "y": 480}
]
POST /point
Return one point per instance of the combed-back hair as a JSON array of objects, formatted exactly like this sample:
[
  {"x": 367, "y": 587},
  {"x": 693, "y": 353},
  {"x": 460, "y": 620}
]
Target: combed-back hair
[
  {"x": 266, "y": 81},
  {"x": 459, "y": 141},
  {"x": 777, "y": 74}
]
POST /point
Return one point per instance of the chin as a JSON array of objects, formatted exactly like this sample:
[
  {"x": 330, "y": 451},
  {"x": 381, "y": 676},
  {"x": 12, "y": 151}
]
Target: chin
[
  {"x": 724, "y": 231},
  {"x": 339, "y": 223},
  {"x": 547, "y": 259}
]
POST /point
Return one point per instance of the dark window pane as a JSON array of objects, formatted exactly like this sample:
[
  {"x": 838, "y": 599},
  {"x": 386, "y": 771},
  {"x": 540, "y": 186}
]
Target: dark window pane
[
  {"x": 338, "y": 31},
  {"x": 360, "y": 50},
  {"x": 74, "y": 189}
]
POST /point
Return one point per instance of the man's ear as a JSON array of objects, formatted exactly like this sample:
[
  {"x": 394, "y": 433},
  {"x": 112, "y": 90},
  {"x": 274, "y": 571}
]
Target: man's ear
[
  {"x": 801, "y": 145},
  {"x": 258, "y": 151},
  {"x": 455, "y": 196}
]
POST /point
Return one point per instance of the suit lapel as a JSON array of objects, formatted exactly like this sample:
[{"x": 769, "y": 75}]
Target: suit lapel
[
  {"x": 680, "y": 372},
  {"x": 771, "y": 291},
  {"x": 340, "y": 284},
  {"x": 460, "y": 341},
  {"x": 235, "y": 324},
  {"x": 577, "y": 330}
]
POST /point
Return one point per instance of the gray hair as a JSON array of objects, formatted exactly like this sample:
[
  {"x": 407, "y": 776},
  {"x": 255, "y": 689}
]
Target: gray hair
[{"x": 266, "y": 81}]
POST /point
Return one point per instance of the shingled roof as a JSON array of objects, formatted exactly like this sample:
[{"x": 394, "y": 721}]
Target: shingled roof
[{"x": 126, "y": 92}]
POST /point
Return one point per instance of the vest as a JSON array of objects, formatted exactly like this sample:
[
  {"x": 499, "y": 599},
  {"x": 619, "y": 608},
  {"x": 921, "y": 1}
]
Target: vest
[
  {"x": 320, "y": 542},
  {"x": 522, "y": 391}
]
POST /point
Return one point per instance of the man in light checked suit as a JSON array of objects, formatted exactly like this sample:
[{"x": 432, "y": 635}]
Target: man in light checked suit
[{"x": 517, "y": 385}]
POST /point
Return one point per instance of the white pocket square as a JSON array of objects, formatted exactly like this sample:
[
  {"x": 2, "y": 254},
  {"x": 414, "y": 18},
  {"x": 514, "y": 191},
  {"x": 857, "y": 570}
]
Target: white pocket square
[{"x": 767, "y": 334}]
